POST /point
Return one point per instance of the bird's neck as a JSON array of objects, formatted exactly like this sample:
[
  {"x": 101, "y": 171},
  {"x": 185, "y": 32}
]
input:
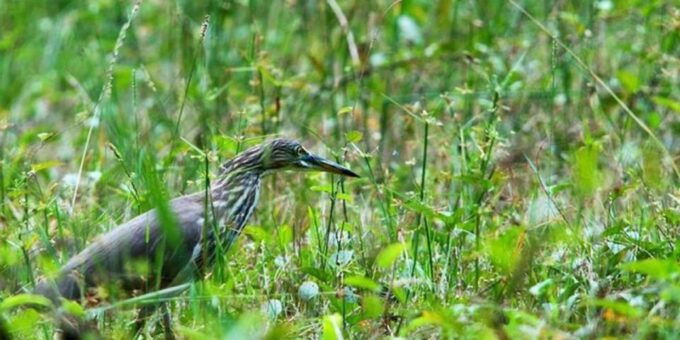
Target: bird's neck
[
  {"x": 235, "y": 195},
  {"x": 248, "y": 161}
]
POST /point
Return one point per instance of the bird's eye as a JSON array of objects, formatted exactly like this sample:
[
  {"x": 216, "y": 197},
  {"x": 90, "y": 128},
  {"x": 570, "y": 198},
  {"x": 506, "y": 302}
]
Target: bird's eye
[{"x": 300, "y": 150}]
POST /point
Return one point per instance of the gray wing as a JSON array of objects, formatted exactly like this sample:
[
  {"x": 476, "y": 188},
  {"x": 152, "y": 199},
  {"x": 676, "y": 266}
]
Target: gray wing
[{"x": 133, "y": 253}]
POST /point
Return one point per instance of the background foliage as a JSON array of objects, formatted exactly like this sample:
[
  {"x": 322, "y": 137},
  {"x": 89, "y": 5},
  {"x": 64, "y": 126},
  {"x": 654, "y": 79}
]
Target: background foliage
[{"x": 505, "y": 192}]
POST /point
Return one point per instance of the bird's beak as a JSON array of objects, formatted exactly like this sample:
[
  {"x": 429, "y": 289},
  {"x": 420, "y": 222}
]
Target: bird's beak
[{"x": 314, "y": 162}]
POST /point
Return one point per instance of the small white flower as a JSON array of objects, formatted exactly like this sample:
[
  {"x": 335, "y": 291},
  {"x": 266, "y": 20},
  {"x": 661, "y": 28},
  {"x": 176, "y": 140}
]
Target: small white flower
[
  {"x": 280, "y": 261},
  {"x": 616, "y": 247},
  {"x": 93, "y": 122},
  {"x": 629, "y": 154},
  {"x": 378, "y": 59},
  {"x": 343, "y": 237},
  {"x": 70, "y": 179},
  {"x": 409, "y": 29},
  {"x": 272, "y": 308},
  {"x": 308, "y": 290},
  {"x": 94, "y": 176},
  {"x": 350, "y": 296},
  {"x": 342, "y": 257},
  {"x": 604, "y": 6}
]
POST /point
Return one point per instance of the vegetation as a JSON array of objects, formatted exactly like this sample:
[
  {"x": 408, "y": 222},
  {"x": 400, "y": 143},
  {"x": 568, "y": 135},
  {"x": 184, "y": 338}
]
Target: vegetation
[{"x": 519, "y": 161}]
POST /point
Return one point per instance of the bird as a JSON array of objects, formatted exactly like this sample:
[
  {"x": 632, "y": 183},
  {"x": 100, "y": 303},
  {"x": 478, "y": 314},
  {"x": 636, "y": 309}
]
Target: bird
[{"x": 205, "y": 221}]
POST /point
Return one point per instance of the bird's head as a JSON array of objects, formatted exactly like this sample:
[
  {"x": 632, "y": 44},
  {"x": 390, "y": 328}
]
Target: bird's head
[
  {"x": 281, "y": 154},
  {"x": 287, "y": 154}
]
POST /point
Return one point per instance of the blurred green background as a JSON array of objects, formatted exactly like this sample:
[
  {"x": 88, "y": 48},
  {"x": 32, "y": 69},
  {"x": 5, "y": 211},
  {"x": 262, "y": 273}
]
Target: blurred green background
[{"x": 504, "y": 191}]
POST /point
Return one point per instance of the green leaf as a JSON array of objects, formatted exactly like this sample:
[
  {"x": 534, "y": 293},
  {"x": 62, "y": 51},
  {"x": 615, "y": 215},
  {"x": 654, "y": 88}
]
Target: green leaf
[
  {"x": 660, "y": 269},
  {"x": 320, "y": 274},
  {"x": 417, "y": 206},
  {"x": 619, "y": 307},
  {"x": 585, "y": 172},
  {"x": 362, "y": 282},
  {"x": 45, "y": 136},
  {"x": 399, "y": 293},
  {"x": 652, "y": 166},
  {"x": 24, "y": 299},
  {"x": 345, "y": 197},
  {"x": 322, "y": 188},
  {"x": 629, "y": 81},
  {"x": 428, "y": 318},
  {"x": 332, "y": 327},
  {"x": 505, "y": 249},
  {"x": 257, "y": 233},
  {"x": 443, "y": 13},
  {"x": 346, "y": 109},
  {"x": 44, "y": 165},
  {"x": 8, "y": 256},
  {"x": 373, "y": 306},
  {"x": 285, "y": 235},
  {"x": 73, "y": 308},
  {"x": 667, "y": 103},
  {"x": 389, "y": 254},
  {"x": 354, "y": 136},
  {"x": 24, "y": 323},
  {"x": 671, "y": 294},
  {"x": 226, "y": 145}
]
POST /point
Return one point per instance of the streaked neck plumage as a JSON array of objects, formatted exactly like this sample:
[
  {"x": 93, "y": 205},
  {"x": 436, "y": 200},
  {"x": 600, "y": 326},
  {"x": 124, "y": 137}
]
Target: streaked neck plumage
[
  {"x": 233, "y": 198},
  {"x": 236, "y": 192}
]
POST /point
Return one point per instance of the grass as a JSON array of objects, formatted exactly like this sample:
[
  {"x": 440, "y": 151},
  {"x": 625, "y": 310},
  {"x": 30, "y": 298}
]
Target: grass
[{"x": 518, "y": 161}]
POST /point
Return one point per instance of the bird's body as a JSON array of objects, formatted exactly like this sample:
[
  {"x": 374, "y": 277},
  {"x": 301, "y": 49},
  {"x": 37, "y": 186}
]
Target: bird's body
[
  {"x": 203, "y": 223},
  {"x": 143, "y": 240}
]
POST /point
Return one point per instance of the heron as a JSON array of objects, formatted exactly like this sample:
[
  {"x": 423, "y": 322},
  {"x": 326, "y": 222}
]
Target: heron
[{"x": 204, "y": 222}]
